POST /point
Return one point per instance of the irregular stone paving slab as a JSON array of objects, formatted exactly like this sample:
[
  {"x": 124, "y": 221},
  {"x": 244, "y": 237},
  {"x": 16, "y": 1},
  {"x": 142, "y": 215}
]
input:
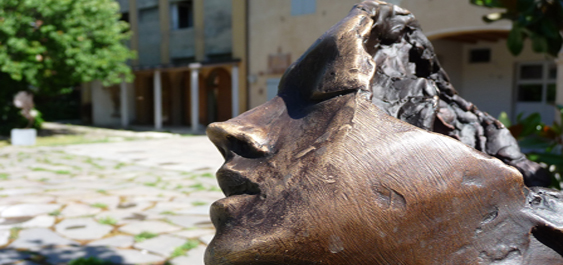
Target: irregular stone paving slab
[
  {"x": 198, "y": 210},
  {"x": 82, "y": 229},
  {"x": 110, "y": 201},
  {"x": 157, "y": 227},
  {"x": 120, "y": 241},
  {"x": 192, "y": 199},
  {"x": 4, "y": 237},
  {"x": 166, "y": 197},
  {"x": 190, "y": 221},
  {"x": 36, "y": 238},
  {"x": 194, "y": 233},
  {"x": 9, "y": 223},
  {"x": 77, "y": 210},
  {"x": 213, "y": 195},
  {"x": 27, "y": 199},
  {"x": 10, "y": 192},
  {"x": 131, "y": 256},
  {"x": 143, "y": 191},
  {"x": 163, "y": 245},
  {"x": 68, "y": 198},
  {"x": 20, "y": 183},
  {"x": 60, "y": 256},
  {"x": 174, "y": 205},
  {"x": 39, "y": 221},
  {"x": 122, "y": 216},
  {"x": 22, "y": 210},
  {"x": 8, "y": 256},
  {"x": 193, "y": 257},
  {"x": 206, "y": 239},
  {"x": 134, "y": 206}
]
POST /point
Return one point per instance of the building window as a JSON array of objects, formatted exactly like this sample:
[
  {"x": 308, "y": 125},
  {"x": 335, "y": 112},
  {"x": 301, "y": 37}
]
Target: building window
[
  {"x": 303, "y": 7},
  {"x": 148, "y": 15},
  {"x": 480, "y": 56},
  {"x": 536, "y": 82},
  {"x": 182, "y": 15}
]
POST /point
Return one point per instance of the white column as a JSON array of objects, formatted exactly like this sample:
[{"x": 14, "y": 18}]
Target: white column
[
  {"x": 124, "y": 109},
  {"x": 559, "y": 85},
  {"x": 194, "y": 89},
  {"x": 157, "y": 101},
  {"x": 234, "y": 91}
]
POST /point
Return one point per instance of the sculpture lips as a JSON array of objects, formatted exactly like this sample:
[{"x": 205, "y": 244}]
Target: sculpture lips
[
  {"x": 238, "y": 189},
  {"x": 234, "y": 183},
  {"x": 223, "y": 210}
]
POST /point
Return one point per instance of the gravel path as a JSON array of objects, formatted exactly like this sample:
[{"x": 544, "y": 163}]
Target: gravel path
[{"x": 137, "y": 202}]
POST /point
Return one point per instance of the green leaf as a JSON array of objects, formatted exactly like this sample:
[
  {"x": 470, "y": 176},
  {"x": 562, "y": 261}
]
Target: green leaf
[
  {"x": 539, "y": 43},
  {"x": 503, "y": 118},
  {"x": 531, "y": 124},
  {"x": 535, "y": 143},
  {"x": 550, "y": 159},
  {"x": 515, "y": 40}
]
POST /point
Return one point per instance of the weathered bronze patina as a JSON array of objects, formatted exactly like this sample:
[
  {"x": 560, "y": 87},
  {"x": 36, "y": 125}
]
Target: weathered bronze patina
[{"x": 329, "y": 172}]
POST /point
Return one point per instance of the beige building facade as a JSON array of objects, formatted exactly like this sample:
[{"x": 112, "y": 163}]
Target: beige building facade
[
  {"x": 473, "y": 52},
  {"x": 190, "y": 70}
]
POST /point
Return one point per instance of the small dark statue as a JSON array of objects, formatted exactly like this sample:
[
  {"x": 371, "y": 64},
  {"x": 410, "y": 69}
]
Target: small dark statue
[{"x": 368, "y": 156}]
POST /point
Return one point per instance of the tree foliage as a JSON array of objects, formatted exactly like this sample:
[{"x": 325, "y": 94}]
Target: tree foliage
[
  {"x": 56, "y": 44},
  {"x": 539, "y": 20}
]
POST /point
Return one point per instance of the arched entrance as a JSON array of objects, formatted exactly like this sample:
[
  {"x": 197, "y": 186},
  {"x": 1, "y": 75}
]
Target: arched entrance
[{"x": 215, "y": 97}]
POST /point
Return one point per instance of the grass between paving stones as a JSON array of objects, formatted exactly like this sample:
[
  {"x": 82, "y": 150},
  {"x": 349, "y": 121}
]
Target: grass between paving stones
[
  {"x": 144, "y": 236},
  {"x": 99, "y": 205},
  {"x": 55, "y": 213},
  {"x": 198, "y": 203},
  {"x": 153, "y": 184},
  {"x": 181, "y": 250},
  {"x": 102, "y": 192},
  {"x": 207, "y": 175},
  {"x": 168, "y": 213},
  {"x": 14, "y": 232},
  {"x": 120, "y": 165},
  {"x": 197, "y": 186},
  {"x": 108, "y": 220},
  {"x": 92, "y": 163},
  {"x": 60, "y": 172},
  {"x": 69, "y": 139},
  {"x": 4, "y": 176}
]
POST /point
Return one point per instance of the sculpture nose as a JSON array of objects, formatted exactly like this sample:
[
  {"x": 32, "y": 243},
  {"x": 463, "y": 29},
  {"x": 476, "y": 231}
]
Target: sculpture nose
[{"x": 232, "y": 138}]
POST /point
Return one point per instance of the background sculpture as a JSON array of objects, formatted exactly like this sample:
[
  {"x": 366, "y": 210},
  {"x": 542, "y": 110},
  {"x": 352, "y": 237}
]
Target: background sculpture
[
  {"x": 24, "y": 101},
  {"x": 325, "y": 173}
]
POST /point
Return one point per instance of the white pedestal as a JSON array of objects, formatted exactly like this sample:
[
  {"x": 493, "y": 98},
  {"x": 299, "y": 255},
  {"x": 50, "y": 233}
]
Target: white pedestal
[{"x": 23, "y": 136}]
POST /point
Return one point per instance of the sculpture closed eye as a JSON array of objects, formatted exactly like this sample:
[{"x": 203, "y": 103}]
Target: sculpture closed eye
[{"x": 327, "y": 173}]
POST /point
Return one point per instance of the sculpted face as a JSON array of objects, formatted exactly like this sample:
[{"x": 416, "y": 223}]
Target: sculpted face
[{"x": 321, "y": 175}]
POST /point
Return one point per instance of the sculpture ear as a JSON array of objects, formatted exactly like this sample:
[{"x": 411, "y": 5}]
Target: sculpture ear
[{"x": 546, "y": 208}]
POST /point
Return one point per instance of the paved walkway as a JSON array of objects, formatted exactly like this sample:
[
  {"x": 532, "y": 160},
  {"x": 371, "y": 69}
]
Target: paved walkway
[{"x": 137, "y": 202}]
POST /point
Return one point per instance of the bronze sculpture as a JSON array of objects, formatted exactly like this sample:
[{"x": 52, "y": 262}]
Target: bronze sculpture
[{"x": 326, "y": 173}]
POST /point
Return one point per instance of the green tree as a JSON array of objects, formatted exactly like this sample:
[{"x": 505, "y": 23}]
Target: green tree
[
  {"x": 53, "y": 45},
  {"x": 539, "y": 20}
]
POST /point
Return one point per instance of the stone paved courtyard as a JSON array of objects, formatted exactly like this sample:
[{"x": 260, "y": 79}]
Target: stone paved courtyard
[{"x": 135, "y": 202}]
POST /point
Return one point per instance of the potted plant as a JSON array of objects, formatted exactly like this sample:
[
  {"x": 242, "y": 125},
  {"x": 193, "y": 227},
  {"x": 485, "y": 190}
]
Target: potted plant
[{"x": 28, "y": 135}]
